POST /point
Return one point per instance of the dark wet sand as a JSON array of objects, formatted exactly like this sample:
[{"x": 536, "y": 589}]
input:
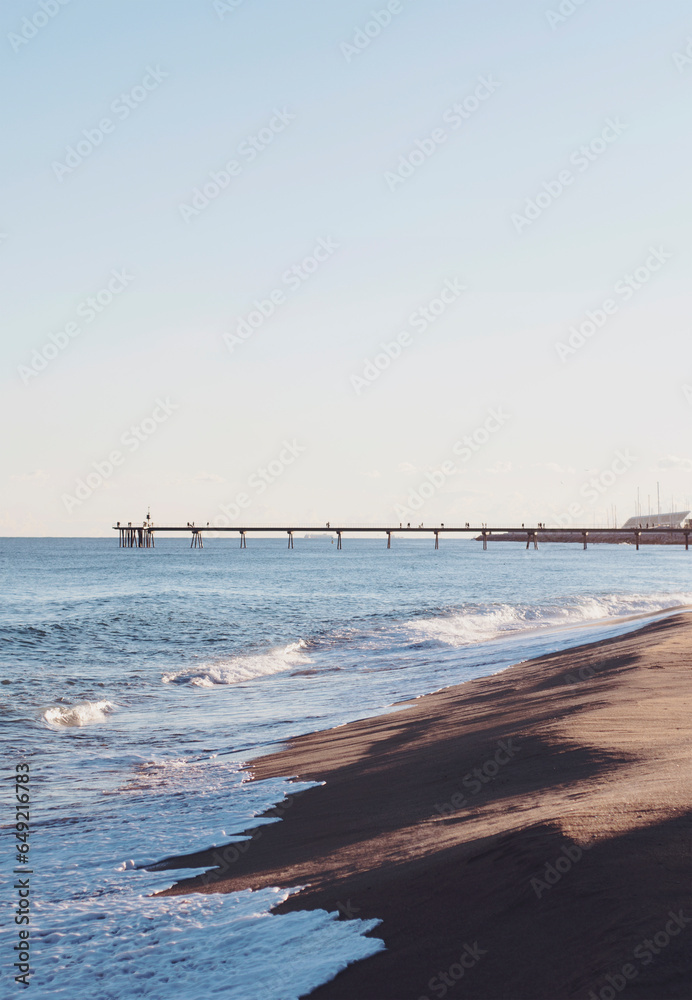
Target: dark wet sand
[{"x": 520, "y": 836}]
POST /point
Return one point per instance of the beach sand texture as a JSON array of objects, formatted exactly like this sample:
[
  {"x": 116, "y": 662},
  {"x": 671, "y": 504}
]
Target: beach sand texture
[{"x": 520, "y": 836}]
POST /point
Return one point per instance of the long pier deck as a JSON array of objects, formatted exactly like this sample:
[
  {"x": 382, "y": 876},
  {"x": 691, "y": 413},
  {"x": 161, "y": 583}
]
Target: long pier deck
[{"x": 142, "y": 536}]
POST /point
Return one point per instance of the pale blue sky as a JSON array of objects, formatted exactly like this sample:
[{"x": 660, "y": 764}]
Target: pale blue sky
[{"x": 323, "y": 177}]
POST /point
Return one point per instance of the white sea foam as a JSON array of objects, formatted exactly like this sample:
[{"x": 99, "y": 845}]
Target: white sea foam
[
  {"x": 475, "y": 625},
  {"x": 242, "y": 668},
  {"x": 85, "y": 713},
  {"x": 191, "y": 946}
]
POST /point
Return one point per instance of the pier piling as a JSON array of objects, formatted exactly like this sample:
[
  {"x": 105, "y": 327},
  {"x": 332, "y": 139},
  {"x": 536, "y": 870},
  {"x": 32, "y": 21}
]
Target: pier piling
[{"x": 135, "y": 538}]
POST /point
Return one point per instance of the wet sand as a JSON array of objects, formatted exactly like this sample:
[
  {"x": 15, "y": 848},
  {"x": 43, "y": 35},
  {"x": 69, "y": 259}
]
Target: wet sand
[{"x": 522, "y": 836}]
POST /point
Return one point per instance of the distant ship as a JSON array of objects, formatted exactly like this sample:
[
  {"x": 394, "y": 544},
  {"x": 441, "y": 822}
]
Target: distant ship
[{"x": 323, "y": 534}]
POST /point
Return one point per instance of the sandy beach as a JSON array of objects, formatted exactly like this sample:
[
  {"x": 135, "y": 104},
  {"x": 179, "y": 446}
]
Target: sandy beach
[{"x": 522, "y": 836}]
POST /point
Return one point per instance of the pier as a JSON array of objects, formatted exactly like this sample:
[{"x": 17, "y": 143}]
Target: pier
[{"x": 142, "y": 536}]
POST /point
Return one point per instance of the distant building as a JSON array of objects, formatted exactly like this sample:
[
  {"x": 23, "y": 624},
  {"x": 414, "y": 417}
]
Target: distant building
[{"x": 678, "y": 519}]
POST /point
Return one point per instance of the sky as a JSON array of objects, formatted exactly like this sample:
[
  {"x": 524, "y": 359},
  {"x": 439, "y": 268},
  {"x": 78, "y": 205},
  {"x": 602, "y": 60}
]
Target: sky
[{"x": 369, "y": 263}]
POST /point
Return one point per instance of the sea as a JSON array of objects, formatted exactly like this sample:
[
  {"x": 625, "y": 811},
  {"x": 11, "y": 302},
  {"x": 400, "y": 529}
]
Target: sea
[{"x": 137, "y": 683}]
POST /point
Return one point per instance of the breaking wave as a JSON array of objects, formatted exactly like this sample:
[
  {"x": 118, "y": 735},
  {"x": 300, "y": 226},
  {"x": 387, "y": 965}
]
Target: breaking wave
[
  {"x": 242, "y": 668},
  {"x": 85, "y": 713},
  {"x": 474, "y": 624}
]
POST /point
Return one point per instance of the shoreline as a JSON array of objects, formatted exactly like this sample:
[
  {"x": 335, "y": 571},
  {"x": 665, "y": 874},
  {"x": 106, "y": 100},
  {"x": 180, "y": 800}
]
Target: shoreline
[{"x": 519, "y": 835}]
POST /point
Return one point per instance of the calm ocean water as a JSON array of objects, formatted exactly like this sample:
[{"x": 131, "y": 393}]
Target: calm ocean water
[{"x": 137, "y": 682}]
